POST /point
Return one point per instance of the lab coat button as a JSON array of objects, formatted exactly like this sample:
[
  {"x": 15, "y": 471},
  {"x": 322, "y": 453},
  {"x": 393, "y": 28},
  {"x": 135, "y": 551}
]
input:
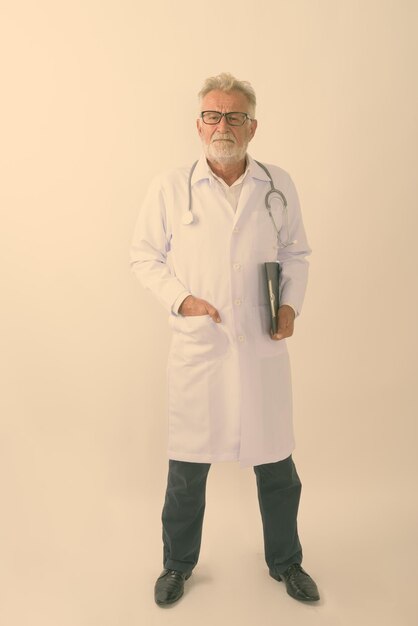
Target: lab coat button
[
  {"x": 238, "y": 301},
  {"x": 237, "y": 266},
  {"x": 241, "y": 338}
]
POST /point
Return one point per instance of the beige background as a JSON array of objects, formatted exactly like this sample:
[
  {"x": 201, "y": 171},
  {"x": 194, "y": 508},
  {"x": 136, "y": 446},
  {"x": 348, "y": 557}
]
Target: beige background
[{"x": 97, "y": 97}]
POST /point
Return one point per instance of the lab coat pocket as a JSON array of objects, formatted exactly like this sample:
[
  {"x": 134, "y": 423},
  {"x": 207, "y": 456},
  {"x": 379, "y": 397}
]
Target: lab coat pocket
[
  {"x": 198, "y": 338},
  {"x": 265, "y": 345}
]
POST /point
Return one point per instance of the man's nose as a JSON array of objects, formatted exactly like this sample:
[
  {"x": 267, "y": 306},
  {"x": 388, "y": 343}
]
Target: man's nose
[{"x": 223, "y": 124}]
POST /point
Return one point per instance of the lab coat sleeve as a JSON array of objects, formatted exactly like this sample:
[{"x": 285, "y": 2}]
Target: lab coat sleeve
[
  {"x": 294, "y": 274},
  {"x": 179, "y": 301},
  {"x": 149, "y": 249}
]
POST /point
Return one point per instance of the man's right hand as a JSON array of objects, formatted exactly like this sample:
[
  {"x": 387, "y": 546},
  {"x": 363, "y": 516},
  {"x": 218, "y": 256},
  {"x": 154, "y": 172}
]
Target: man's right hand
[{"x": 196, "y": 306}]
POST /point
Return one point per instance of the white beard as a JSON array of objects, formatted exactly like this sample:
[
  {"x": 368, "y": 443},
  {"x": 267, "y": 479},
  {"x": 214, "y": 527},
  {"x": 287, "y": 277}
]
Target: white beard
[{"x": 224, "y": 151}]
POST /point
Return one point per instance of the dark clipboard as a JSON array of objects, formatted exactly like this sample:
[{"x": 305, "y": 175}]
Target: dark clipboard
[{"x": 273, "y": 270}]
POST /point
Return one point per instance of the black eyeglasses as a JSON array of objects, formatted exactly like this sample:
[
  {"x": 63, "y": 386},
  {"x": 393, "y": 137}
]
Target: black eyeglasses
[{"x": 233, "y": 118}]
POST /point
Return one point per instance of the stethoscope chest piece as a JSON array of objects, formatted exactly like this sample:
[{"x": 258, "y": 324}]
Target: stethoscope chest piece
[{"x": 187, "y": 218}]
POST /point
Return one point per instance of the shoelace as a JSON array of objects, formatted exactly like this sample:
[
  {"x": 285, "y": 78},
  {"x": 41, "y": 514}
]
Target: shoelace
[
  {"x": 293, "y": 570},
  {"x": 173, "y": 572},
  {"x": 172, "y": 578}
]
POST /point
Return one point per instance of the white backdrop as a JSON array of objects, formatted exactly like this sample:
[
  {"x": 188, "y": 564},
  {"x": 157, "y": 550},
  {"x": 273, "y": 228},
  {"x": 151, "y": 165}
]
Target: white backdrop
[{"x": 98, "y": 96}]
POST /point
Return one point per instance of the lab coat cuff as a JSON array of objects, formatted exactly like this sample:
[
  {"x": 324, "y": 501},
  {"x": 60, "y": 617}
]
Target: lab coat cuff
[
  {"x": 178, "y": 301},
  {"x": 291, "y": 306}
]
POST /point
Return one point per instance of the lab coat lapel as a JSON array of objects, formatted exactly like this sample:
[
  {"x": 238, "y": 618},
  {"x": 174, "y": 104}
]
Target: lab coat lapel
[
  {"x": 255, "y": 177},
  {"x": 244, "y": 202}
]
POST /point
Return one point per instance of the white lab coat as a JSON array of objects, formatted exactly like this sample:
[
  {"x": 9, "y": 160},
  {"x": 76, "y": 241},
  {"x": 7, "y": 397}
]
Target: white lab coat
[{"x": 229, "y": 383}]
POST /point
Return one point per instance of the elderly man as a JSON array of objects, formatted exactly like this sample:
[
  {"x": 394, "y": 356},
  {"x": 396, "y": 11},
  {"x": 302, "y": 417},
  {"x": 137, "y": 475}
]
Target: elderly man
[{"x": 200, "y": 243}]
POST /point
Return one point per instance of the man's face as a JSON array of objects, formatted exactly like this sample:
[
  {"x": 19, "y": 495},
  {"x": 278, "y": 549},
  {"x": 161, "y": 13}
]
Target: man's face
[{"x": 222, "y": 142}]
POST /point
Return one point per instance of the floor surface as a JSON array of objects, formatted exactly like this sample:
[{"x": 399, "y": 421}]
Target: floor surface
[{"x": 98, "y": 567}]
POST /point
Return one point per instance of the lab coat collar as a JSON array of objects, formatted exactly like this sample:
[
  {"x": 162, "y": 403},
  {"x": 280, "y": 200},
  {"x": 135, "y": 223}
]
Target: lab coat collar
[
  {"x": 255, "y": 170},
  {"x": 202, "y": 170}
]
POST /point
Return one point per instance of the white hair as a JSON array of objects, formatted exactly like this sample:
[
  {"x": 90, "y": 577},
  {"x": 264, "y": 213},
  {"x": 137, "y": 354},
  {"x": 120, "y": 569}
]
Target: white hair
[{"x": 227, "y": 82}]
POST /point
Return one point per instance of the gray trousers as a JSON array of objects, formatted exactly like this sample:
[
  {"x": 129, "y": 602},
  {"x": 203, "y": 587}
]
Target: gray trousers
[{"x": 278, "y": 488}]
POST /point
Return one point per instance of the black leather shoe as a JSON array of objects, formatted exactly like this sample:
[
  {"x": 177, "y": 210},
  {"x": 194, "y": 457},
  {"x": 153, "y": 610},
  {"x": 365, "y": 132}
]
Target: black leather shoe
[
  {"x": 169, "y": 586},
  {"x": 299, "y": 584}
]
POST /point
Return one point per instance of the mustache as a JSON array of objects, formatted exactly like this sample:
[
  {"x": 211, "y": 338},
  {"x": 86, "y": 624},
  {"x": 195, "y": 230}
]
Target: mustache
[{"x": 223, "y": 136}]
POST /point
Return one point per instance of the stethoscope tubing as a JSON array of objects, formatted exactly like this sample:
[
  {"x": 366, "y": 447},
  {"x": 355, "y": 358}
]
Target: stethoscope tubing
[{"x": 188, "y": 216}]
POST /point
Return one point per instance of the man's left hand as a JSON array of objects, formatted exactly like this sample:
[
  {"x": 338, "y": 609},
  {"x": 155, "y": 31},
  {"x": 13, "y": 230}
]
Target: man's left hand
[{"x": 286, "y": 319}]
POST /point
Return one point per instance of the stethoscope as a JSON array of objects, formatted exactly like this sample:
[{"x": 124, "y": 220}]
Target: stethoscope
[{"x": 188, "y": 214}]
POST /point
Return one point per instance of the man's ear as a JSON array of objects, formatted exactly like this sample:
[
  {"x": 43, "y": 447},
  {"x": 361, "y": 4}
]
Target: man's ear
[
  {"x": 199, "y": 127},
  {"x": 253, "y": 128}
]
